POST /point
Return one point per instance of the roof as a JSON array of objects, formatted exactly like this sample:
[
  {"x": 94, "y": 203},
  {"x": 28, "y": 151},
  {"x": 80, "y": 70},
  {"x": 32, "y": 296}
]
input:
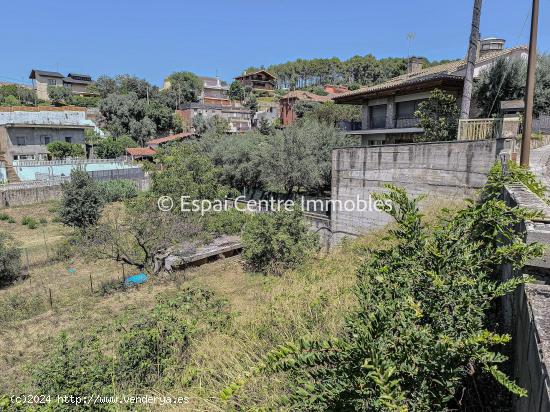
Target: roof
[
  {"x": 170, "y": 138},
  {"x": 303, "y": 95},
  {"x": 140, "y": 151},
  {"x": 76, "y": 81},
  {"x": 446, "y": 71},
  {"x": 253, "y": 73},
  {"x": 34, "y": 72},
  {"x": 79, "y": 75}
]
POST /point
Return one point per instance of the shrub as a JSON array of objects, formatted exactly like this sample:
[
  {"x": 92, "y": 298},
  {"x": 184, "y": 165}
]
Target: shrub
[
  {"x": 62, "y": 150},
  {"x": 421, "y": 319},
  {"x": 438, "y": 117},
  {"x": 229, "y": 222},
  {"x": 156, "y": 347},
  {"x": 10, "y": 259},
  {"x": 81, "y": 203},
  {"x": 514, "y": 174},
  {"x": 77, "y": 369},
  {"x": 117, "y": 190},
  {"x": 4, "y": 216},
  {"x": 30, "y": 222},
  {"x": 277, "y": 241},
  {"x": 111, "y": 148}
]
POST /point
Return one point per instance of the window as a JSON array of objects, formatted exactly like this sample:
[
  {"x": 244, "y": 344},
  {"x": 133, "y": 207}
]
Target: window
[
  {"x": 52, "y": 82},
  {"x": 405, "y": 113},
  {"x": 378, "y": 116},
  {"x": 45, "y": 140},
  {"x": 68, "y": 139},
  {"x": 20, "y": 140}
]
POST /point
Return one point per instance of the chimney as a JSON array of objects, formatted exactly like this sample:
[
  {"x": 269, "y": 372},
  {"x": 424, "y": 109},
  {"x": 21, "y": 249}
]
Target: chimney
[
  {"x": 414, "y": 65},
  {"x": 490, "y": 45}
]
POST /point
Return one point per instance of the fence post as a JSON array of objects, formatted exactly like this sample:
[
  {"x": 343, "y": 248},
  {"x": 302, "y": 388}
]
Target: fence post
[
  {"x": 51, "y": 301},
  {"x": 45, "y": 243},
  {"x": 91, "y": 284}
]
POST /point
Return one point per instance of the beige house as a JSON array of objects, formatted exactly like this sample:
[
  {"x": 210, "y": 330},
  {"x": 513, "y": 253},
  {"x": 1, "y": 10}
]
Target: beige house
[
  {"x": 388, "y": 108},
  {"x": 41, "y": 79}
]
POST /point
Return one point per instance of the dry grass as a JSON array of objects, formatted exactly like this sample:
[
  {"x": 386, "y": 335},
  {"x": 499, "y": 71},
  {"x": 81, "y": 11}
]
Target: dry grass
[{"x": 266, "y": 311}]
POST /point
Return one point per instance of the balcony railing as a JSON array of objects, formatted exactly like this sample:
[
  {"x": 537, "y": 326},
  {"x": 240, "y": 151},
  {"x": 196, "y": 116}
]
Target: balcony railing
[
  {"x": 480, "y": 129},
  {"x": 406, "y": 122}
]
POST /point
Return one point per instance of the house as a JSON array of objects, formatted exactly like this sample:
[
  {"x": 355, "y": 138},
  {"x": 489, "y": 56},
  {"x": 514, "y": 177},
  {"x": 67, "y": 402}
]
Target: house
[
  {"x": 155, "y": 143},
  {"x": 259, "y": 81},
  {"x": 240, "y": 118},
  {"x": 140, "y": 153},
  {"x": 41, "y": 79},
  {"x": 288, "y": 101},
  {"x": 214, "y": 92},
  {"x": 25, "y": 131},
  {"x": 388, "y": 108}
]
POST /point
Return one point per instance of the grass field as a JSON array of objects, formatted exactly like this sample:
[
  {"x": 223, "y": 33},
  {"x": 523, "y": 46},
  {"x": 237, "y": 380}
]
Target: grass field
[{"x": 265, "y": 311}]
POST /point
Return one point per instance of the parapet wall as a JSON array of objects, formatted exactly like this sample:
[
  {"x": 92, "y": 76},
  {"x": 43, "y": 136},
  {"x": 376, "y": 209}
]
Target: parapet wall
[{"x": 454, "y": 169}]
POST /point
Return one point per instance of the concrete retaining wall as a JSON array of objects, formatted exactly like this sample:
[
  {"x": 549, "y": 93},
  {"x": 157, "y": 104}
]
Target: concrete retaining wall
[
  {"x": 447, "y": 169},
  {"x": 527, "y": 312}
]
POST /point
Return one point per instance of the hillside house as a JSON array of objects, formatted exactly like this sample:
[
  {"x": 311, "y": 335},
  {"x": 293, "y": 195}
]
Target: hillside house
[
  {"x": 388, "y": 108},
  {"x": 289, "y": 100},
  {"x": 239, "y": 118},
  {"x": 41, "y": 79},
  {"x": 259, "y": 81}
]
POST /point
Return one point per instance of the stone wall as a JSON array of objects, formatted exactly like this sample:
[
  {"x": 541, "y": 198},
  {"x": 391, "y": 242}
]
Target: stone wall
[{"x": 442, "y": 169}]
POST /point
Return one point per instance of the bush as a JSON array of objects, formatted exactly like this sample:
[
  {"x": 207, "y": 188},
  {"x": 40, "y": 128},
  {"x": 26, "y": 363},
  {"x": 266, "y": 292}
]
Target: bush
[
  {"x": 30, "y": 222},
  {"x": 117, "y": 190},
  {"x": 62, "y": 150},
  {"x": 111, "y": 148},
  {"x": 277, "y": 241},
  {"x": 77, "y": 369},
  {"x": 81, "y": 203},
  {"x": 10, "y": 259},
  {"x": 438, "y": 117},
  {"x": 229, "y": 222},
  {"x": 514, "y": 174},
  {"x": 4, "y": 216},
  {"x": 421, "y": 319}
]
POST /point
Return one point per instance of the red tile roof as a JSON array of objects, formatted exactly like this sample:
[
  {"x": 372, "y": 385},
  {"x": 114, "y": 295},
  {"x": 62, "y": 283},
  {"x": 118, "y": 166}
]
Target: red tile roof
[
  {"x": 140, "y": 151},
  {"x": 170, "y": 138}
]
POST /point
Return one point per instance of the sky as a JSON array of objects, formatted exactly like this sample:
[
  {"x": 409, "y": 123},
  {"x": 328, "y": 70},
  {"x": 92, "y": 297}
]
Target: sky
[{"x": 151, "y": 39}]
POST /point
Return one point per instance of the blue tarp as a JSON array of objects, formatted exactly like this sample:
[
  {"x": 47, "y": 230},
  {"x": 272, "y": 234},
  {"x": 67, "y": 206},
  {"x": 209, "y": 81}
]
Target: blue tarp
[{"x": 136, "y": 279}]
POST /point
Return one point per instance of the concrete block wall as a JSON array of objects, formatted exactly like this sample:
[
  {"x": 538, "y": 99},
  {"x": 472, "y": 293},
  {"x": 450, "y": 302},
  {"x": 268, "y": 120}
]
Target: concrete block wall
[{"x": 449, "y": 169}]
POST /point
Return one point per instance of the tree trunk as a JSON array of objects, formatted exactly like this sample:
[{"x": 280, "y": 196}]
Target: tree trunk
[{"x": 471, "y": 59}]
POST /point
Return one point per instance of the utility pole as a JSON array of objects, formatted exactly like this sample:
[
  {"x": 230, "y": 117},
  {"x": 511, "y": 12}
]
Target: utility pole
[
  {"x": 530, "y": 88},
  {"x": 471, "y": 61}
]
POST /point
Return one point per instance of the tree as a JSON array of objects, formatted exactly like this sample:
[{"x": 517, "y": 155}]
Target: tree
[
  {"x": 438, "y": 117},
  {"x": 62, "y": 150},
  {"x": 215, "y": 125},
  {"x": 184, "y": 87},
  {"x": 239, "y": 160},
  {"x": 81, "y": 202},
  {"x": 251, "y": 102},
  {"x": 139, "y": 234},
  {"x": 10, "y": 259},
  {"x": 265, "y": 127},
  {"x": 299, "y": 157},
  {"x": 10, "y": 101},
  {"x": 236, "y": 91},
  {"x": 23, "y": 95},
  {"x": 186, "y": 171},
  {"x": 111, "y": 148},
  {"x": 60, "y": 95},
  {"x": 505, "y": 80},
  {"x": 274, "y": 242}
]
